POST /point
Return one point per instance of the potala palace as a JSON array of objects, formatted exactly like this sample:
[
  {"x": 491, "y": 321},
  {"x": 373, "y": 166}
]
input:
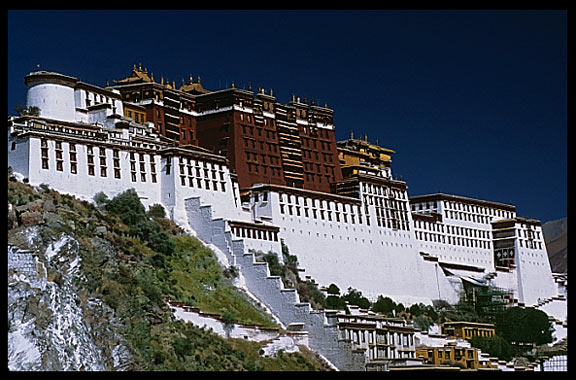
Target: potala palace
[{"x": 244, "y": 172}]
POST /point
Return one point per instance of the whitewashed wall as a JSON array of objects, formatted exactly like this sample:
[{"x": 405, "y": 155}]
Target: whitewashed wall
[
  {"x": 372, "y": 259},
  {"x": 56, "y": 101}
]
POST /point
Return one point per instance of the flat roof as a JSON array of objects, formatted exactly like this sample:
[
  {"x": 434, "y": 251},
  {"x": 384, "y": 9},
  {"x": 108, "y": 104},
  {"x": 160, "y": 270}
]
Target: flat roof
[
  {"x": 460, "y": 198},
  {"x": 302, "y": 192}
]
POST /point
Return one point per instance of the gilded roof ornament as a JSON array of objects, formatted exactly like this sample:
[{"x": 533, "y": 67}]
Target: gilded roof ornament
[
  {"x": 193, "y": 87},
  {"x": 137, "y": 76}
]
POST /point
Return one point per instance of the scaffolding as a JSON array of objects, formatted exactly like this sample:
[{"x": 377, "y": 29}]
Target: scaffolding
[{"x": 488, "y": 301}]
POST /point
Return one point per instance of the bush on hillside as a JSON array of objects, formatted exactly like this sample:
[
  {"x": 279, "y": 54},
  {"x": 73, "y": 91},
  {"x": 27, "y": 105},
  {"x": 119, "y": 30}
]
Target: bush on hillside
[{"x": 128, "y": 207}]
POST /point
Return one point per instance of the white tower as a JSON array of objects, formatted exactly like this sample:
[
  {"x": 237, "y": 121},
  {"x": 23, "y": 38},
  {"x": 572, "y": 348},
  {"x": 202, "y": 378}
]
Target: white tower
[{"x": 52, "y": 93}]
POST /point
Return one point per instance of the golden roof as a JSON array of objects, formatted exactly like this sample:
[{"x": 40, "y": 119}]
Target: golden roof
[
  {"x": 193, "y": 87},
  {"x": 138, "y": 76}
]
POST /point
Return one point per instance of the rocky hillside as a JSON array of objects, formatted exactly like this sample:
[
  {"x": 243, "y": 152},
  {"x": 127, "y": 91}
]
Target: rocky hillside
[
  {"x": 87, "y": 287},
  {"x": 556, "y": 239}
]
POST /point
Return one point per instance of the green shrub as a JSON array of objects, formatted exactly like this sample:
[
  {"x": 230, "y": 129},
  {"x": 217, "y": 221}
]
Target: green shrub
[
  {"x": 157, "y": 211},
  {"x": 495, "y": 346},
  {"x": 355, "y": 297},
  {"x": 276, "y": 269},
  {"x": 101, "y": 199},
  {"x": 128, "y": 207}
]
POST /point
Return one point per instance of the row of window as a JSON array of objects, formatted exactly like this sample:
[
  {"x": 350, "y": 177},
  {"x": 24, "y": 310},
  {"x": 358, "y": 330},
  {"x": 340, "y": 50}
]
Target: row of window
[
  {"x": 316, "y": 155},
  {"x": 318, "y": 168},
  {"x": 264, "y": 169},
  {"x": 529, "y": 234},
  {"x": 270, "y": 146},
  {"x": 253, "y": 233},
  {"x": 319, "y": 209},
  {"x": 369, "y": 188},
  {"x": 208, "y": 185},
  {"x": 138, "y": 117},
  {"x": 363, "y": 336},
  {"x": 452, "y": 240},
  {"x": 459, "y": 215},
  {"x": 262, "y": 158},
  {"x": 201, "y": 174},
  {"x": 451, "y": 229},
  {"x": 249, "y": 130},
  {"x": 488, "y": 211},
  {"x": 91, "y": 161},
  {"x": 321, "y": 214},
  {"x": 315, "y": 144},
  {"x": 391, "y": 203},
  {"x": 392, "y": 218},
  {"x": 463, "y": 211},
  {"x": 213, "y": 174},
  {"x": 313, "y": 177},
  {"x": 317, "y": 203},
  {"x": 94, "y": 98},
  {"x": 141, "y": 166},
  {"x": 391, "y": 211},
  {"x": 530, "y": 244}
]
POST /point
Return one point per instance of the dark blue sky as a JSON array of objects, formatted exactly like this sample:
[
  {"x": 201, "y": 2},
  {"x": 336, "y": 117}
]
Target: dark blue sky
[{"x": 473, "y": 102}]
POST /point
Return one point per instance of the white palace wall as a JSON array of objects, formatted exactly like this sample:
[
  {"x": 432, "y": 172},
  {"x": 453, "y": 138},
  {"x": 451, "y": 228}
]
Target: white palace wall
[
  {"x": 143, "y": 170},
  {"x": 375, "y": 260}
]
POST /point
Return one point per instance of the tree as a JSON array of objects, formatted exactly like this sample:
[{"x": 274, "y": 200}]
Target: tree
[
  {"x": 30, "y": 111},
  {"x": 355, "y": 297},
  {"x": 399, "y": 308},
  {"x": 384, "y": 305},
  {"x": 333, "y": 299},
  {"x": 430, "y": 312},
  {"x": 416, "y": 309},
  {"x": 101, "y": 199},
  {"x": 524, "y": 325},
  {"x": 333, "y": 290},
  {"x": 494, "y": 345},
  {"x": 336, "y": 302},
  {"x": 128, "y": 207},
  {"x": 422, "y": 322}
]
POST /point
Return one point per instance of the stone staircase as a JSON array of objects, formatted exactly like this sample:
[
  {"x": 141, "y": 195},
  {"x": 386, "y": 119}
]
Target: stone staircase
[{"x": 284, "y": 303}]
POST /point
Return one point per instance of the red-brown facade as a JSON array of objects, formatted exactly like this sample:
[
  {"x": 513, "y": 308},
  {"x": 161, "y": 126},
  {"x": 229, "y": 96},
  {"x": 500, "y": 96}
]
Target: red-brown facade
[{"x": 266, "y": 141}]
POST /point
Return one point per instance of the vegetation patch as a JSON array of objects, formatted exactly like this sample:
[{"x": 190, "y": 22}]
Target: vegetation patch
[{"x": 132, "y": 259}]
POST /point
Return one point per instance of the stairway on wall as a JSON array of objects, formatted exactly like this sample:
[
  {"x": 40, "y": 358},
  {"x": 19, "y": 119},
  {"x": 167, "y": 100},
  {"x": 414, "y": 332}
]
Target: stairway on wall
[{"x": 283, "y": 302}]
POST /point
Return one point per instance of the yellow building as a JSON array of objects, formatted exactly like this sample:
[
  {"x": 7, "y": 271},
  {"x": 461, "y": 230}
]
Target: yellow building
[
  {"x": 135, "y": 112},
  {"x": 361, "y": 157},
  {"x": 467, "y": 330},
  {"x": 450, "y": 355}
]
